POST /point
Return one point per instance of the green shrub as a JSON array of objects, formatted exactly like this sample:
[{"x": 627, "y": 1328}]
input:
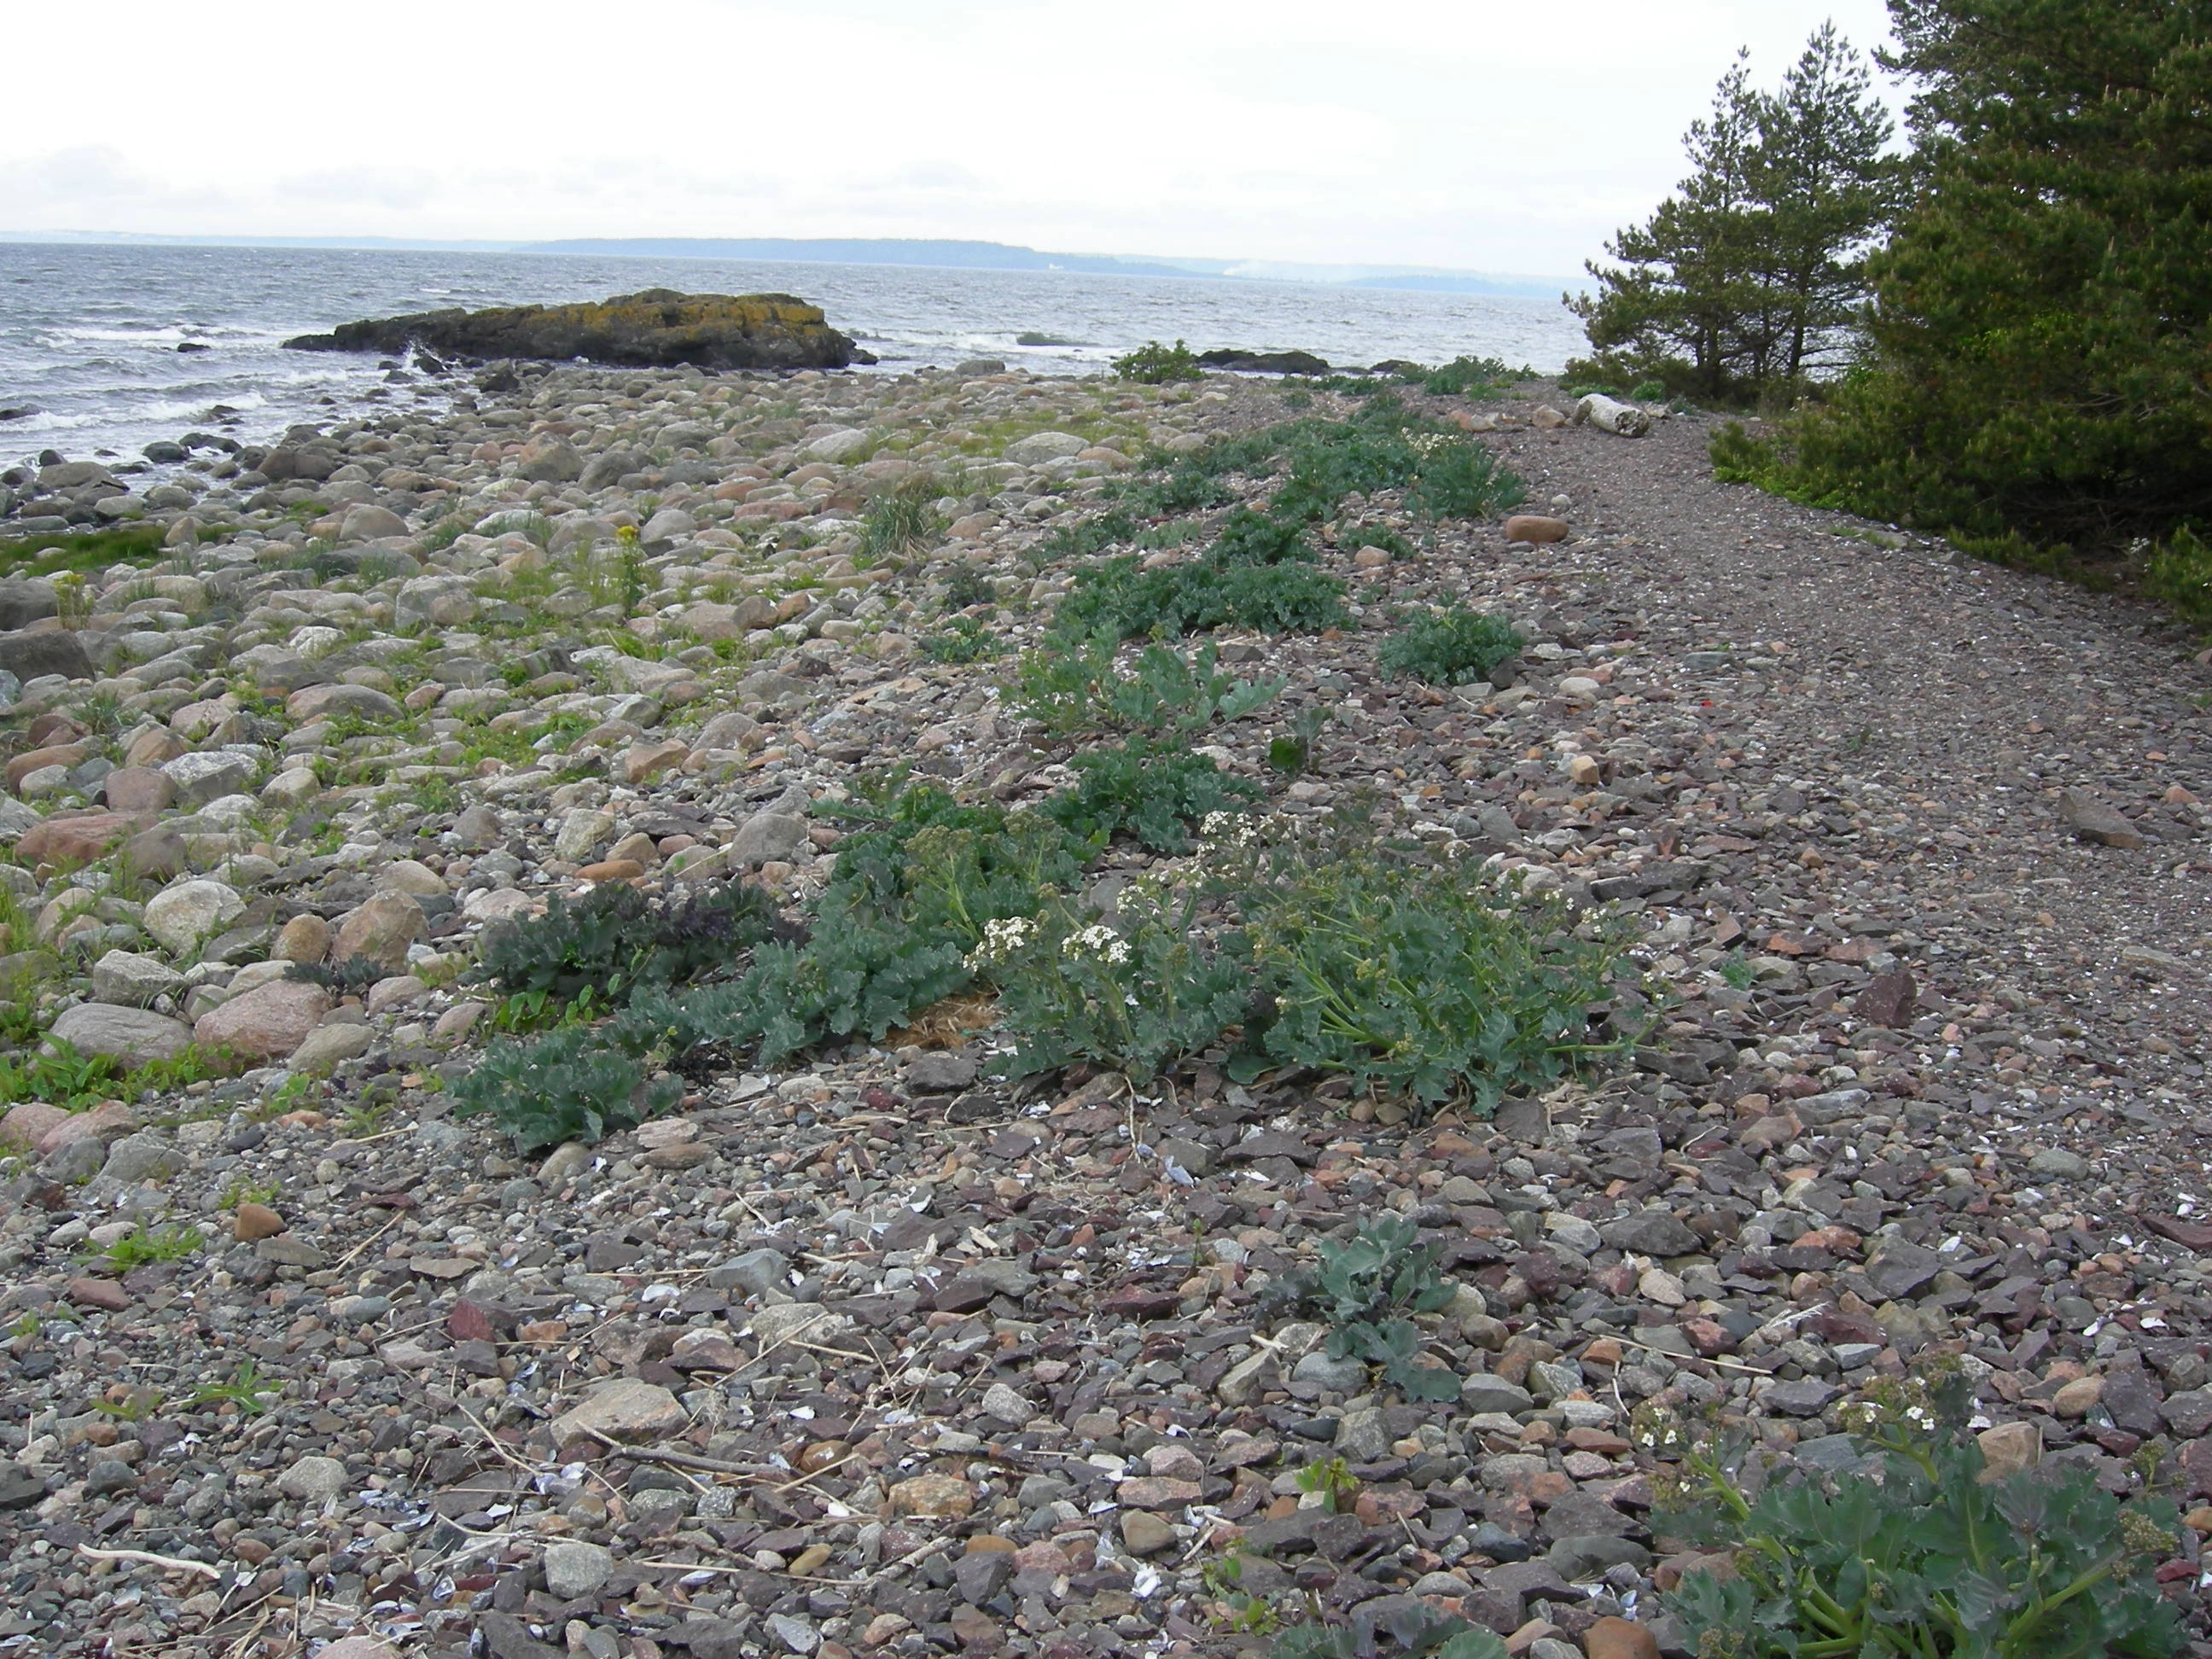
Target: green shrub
[
  {"x": 2179, "y": 574},
  {"x": 1085, "y": 538},
  {"x": 614, "y": 941},
  {"x": 1460, "y": 478},
  {"x": 570, "y": 1084},
  {"x": 1071, "y": 685},
  {"x": 1137, "y": 993},
  {"x": 1450, "y": 648},
  {"x": 1930, "y": 1558},
  {"x": 967, "y": 585},
  {"x": 1367, "y": 1289},
  {"x": 967, "y": 639},
  {"x": 1188, "y": 486},
  {"x": 1473, "y": 377},
  {"x": 1118, "y": 596},
  {"x": 913, "y": 891},
  {"x": 1154, "y": 364},
  {"x": 1151, "y": 795},
  {"x": 1423, "y": 975}
]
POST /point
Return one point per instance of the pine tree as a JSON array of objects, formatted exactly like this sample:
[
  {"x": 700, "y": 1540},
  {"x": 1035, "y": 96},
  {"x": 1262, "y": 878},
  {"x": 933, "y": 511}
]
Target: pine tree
[
  {"x": 2043, "y": 323},
  {"x": 1747, "y": 275},
  {"x": 1826, "y": 188}
]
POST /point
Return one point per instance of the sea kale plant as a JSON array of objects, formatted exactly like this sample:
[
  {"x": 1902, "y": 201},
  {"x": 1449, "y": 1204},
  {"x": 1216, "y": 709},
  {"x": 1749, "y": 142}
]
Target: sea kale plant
[
  {"x": 1934, "y": 1557},
  {"x": 1071, "y": 685},
  {"x": 1450, "y": 647},
  {"x": 614, "y": 940},
  {"x": 1367, "y": 1289},
  {"x": 1138, "y": 989},
  {"x": 1152, "y": 794},
  {"x": 1424, "y": 973}
]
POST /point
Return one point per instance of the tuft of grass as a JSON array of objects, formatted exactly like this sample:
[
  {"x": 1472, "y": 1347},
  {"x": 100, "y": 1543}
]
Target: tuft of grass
[
  {"x": 903, "y": 520},
  {"x": 81, "y": 551},
  {"x": 143, "y": 1245}
]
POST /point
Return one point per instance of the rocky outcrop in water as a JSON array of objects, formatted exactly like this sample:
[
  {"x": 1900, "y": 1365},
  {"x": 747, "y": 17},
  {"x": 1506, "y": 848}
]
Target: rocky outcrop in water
[{"x": 659, "y": 328}]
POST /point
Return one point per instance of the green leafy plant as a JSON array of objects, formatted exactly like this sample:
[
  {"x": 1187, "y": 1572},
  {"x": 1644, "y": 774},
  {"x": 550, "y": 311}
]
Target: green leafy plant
[
  {"x": 1420, "y": 1631},
  {"x": 1258, "y": 573},
  {"x": 1932, "y": 1559},
  {"x": 1460, "y": 478},
  {"x": 1154, "y": 364},
  {"x": 1137, "y": 992},
  {"x": 1473, "y": 377},
  {"x": 1450, "y": 647},
  {"x": 143, "y": 1245},
  {"x": 967, "y": 585},
  {"x": 135, "y": 1407},
  {"x": 569, "y": 1085},
  {"x": 59, "y": 1075},
  {"x": 1070, "y": 684},
  {"x": 247, "y": 1389},
  {"x": 1331, "y": 1479},
  {"x": 240, "y": 1190},
  {"x": 2178, "y": 573},
  {"x": 1291, "y": 752},
  {"x": 1239, "y": 1610},
  {"x": 614, "y": 939},
  {"x": 1425, "y": 974},
  {"x": 968, "y": 639},
  {"x": 1368, "y": 1289},
  {"x": 1150, "y": 793},
  {"x": 916, "y": 884},
  {"x": 1737, "y": 971}
]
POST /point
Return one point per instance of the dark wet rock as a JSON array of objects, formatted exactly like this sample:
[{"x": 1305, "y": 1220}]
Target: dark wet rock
[{"x": 656, "y": 327}]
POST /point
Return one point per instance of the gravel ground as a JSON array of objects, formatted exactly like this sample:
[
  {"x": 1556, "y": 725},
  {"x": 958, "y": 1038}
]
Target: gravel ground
[{"x": 876, "y": 1357}]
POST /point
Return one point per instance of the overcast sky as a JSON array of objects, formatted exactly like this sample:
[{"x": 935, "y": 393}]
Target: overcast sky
[{"x": 1491, "y": 135}]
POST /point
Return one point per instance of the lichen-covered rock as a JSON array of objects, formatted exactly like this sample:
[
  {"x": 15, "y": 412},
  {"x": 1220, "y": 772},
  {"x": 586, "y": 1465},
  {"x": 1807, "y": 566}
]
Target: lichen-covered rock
[{"x": 656, "y": 328}]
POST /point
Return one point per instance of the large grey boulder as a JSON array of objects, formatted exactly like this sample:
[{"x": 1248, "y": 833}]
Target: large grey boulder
[
  {"x": 30, "y": 655},
  {"x": 134, "y": 1036}
]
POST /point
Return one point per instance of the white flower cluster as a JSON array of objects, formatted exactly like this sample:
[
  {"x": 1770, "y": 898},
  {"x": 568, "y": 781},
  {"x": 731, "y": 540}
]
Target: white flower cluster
[
  {"x": 1096, "y": 941},
  {"x": 1427, "y": 443},
  {"x": 1001, "y": 938}
]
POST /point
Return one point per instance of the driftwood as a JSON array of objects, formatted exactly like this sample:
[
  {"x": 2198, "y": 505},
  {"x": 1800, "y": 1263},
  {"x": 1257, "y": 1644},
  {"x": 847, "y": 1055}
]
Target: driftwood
[{"x": 1626, "y": 420}]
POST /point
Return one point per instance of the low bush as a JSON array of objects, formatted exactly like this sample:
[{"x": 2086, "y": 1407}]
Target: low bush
[
  {"x": 915, "y": 885},
  {"x": 1420, "y": 1632},
  {"x": 1473, "y": 377},
  {"x": 1932, "y": 1557},
  {"x": 1071, "y": 685},
  {"x": 1138, "y": 991},
  {"x": 1449, "y": 647},
  {"x": 576, "y": 1084},
  {"x": 1154, "y": 364},
  {"x": 1460, "y": 478},
  {"x": 1150, "y": 795},
  {"x": 2179, "y": 574},
  {"x": 1423, "y": 975},
  {"x": 1430, "y": 980},
  {"x": 614, "y": 941},
  {"x": 965, "y": 639},
  {"x": 1258, "y": 573}
]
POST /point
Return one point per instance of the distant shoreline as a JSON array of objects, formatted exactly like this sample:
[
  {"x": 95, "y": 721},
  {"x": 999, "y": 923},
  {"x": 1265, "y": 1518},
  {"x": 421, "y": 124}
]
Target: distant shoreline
[{"x": 912, "y": 252}]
